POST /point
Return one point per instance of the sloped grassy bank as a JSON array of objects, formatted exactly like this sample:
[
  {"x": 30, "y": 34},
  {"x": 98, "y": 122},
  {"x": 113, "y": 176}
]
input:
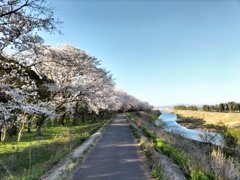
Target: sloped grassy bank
[
  {"x": 221, "y": 122},
  {"x": 32, "y": 157},
  {"x": 198, "y": 160}
]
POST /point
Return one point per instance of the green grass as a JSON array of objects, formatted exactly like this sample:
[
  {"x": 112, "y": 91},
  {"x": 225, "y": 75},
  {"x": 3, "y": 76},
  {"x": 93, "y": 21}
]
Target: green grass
[
  {"x": 33, "y": 156},
  {"x": 179, "y": 156},
  {"x": 52, "y": 134},
  {"x": 135, "y": 132},
  {"x": 158, "y": 173},
  {"x": 199, "y": 175},
  {"x": 235, "y": 132}
]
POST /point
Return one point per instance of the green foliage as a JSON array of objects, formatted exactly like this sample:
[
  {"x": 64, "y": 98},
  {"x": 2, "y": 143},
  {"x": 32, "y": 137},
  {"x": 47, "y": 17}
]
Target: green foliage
[
  {"x": 181, "y": 107},
  {"x": 135, "y": 132},
  {"x": 12, "y": 131},
  {"x": 179, "y": 156},
  {"x": 157, "y": 173},
  {"x": 146, "y": 132},
  {"x": 192, "y": 108},
  {"x": 233, "y": 106},
  {"x": 235, "y": 132},
  {"x": 223, "y": 107},
  {"x": 199, "y": 175},
  {"x": 231, "y": 137},
  {"x": 206, "y": 108}
]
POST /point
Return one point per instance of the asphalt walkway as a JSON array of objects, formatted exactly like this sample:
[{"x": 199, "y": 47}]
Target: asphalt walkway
[{"x": 116, "y": 156}]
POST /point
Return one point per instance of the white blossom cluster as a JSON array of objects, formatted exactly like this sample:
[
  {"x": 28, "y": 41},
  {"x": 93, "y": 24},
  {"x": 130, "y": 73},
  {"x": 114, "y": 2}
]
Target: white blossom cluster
[{"x": 21, "y": 19}]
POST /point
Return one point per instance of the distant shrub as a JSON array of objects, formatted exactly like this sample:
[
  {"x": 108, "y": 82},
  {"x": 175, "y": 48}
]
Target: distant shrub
[{"x": 12, "y": 131}]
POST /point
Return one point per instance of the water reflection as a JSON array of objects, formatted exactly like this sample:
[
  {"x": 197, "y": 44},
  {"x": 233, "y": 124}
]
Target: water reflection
[{"x": 168, "y": 121}]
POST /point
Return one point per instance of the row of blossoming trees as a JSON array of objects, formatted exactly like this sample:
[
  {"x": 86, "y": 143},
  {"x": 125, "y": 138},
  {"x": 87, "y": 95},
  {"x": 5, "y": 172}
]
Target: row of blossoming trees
[{"x": 50, "y": 82}]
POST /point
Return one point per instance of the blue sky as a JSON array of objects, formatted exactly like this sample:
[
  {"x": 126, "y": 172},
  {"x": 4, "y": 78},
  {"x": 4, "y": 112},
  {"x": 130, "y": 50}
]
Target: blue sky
[{"x": 161, "y": 51}]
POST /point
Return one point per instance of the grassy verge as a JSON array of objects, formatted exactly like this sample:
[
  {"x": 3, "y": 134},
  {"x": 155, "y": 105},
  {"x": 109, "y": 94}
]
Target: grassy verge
[
  {"x": 145, "y": 144},
  {"x": 33, "y": 156}
]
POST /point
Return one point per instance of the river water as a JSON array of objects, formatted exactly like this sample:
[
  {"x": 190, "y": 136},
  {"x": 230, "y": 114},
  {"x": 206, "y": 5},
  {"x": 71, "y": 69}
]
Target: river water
[{"x": 168, "y": 121}]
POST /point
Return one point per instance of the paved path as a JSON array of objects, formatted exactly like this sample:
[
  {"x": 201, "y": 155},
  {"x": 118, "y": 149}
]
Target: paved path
[{"x": 115, "y": 156}]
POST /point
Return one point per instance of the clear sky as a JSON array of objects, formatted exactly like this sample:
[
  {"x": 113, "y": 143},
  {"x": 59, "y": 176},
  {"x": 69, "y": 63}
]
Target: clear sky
[{"x": 161, "y": 51}]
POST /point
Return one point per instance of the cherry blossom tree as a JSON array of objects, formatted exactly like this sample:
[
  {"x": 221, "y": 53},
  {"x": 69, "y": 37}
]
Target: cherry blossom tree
[
  {"x": 20, "y": 95},
  {"x": 21, "y": 19},
  {"x": 19, "y": 22},
  {"x": 130, "y": 103},
  {"x": 78, "y": 81}
]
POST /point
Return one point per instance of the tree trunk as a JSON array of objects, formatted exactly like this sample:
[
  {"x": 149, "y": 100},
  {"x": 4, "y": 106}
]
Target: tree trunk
[
  {"x": 83, "y": 119},
  {"x": 95, "y": 118},
  {"x": 74, "y": 123},
  {"x": 67, "y": 117},
  {"x": 0, "y": 134},
  {"x": 100, "y": 114},
  {"x": 4, "y": 134},
  {"x": 29, "y": 127},
  {"x": 83, "y": 116},
  {"x": 20, "y": 132},
  {"x": 39, "y": 125},
  {"x": 61, "y": 119}
]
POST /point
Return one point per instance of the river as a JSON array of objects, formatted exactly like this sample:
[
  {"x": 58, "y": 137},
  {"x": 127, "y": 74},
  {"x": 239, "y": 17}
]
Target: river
[{"x": 168, "y": 121}]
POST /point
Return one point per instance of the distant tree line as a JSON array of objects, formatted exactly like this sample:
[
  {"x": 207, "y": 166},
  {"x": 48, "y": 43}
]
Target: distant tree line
[
  {"x": 223, "y": 107},
  {"x": 182, "y": 107}
]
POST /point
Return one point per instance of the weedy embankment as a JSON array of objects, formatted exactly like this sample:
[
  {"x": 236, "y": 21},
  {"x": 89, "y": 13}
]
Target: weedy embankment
[{"x": 197, "y": 160}]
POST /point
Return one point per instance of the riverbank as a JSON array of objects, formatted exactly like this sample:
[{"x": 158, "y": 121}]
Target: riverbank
[
  {"x": 207, "y": 121},
  {"x": 227, "y": 123}
]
